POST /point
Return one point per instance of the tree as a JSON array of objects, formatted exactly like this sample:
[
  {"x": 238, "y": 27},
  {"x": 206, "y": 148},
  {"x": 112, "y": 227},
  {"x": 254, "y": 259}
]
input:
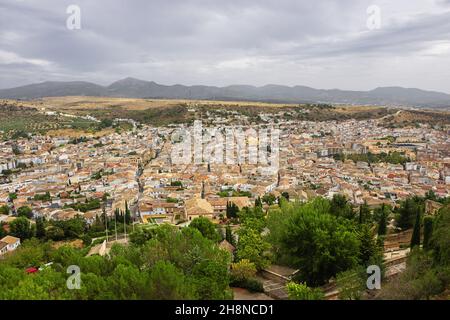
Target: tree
[
  {"x": 2, "y": 230},
  {"x": 340, "y": 207},
  {"x": 232, "y": 210},
  {"x": 54, "y": 233},
  {"x": 269, "y": 199},
  {"x": 368, "y": 250},
  {"x": 441, "y": 237},
  {"x": 258, "y": 202},
  {"x": 382, "y": 214},
  {"x": 253, "y": 247},
  {"x": 22, "y": 228},
  {"x": 351, "y": 284},
  {"x": 415, "y": 239},
  {"x": 300, "y": 291},
  {"x": 169, "y": 283},
  {"x": 25, "y": 212},
  {"x": 229, "y": 235},
  {"x": 127, "y": 213},
  {"x": 243, "y": 270},
  {"x": 319, "y": 244},
  {"x": 4, "y": 210},
  {"x": 206, "y": 228},
  {"x": 12, "y": 196},
  {"x": 364, "y": 212},
  {"x": 128, "y": 283},
  {"x": 406, "y": 214},
  {"x": 40, "y": 228},
  {"x": 427, "y": 231}
]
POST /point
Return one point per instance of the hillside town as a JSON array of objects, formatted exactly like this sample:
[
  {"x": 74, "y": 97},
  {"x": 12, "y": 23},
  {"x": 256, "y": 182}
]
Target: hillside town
[{"x": 60, "y": 177}]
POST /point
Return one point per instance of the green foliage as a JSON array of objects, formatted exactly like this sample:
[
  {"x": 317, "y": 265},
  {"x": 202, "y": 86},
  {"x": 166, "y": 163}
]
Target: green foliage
[
  {"x": 308, "y": 237},
  {"x": 415, "y": 238},
  {"x": 229, "y": 235},
  {"x": 369, "y": 251},
  {"x": 381, "y": 215},
  {"x": 72, "y": 228},
  {"x": 242, "y": 270},
  {"x": 13, "y": 196},
  {"x": 4, "y": 210},
  {"x": 22, "y": 228},
  {"x": 427, "y": 271},
  {"x": 441, "y": 237},
  {"x": 427, "y": 231},
  {"x": 176, "y": 184},
  {"x": 391, "y": 157},
  {"x": 253, "y": 218},
  {"x": 173, "y": 264},
  {"x": 300, "y": 291},
  {"x": 25, "y": 211},
  {"x": 407, "y": 212},
  {"x": 253, "y": 247},
  {"x": 351, "y": 284},
  {"x": 251, "y": 284},
  {"x": 43, "y": 197},
  {"x": 421, "y": 279},
  {"x": 206, "y": 228},
  {"x": 269, "y": 199},
  {"x": 54, "y": 233},
  {"x": 105, "y": 123},
  {"x": 141, "y": 235},
  {"x": 232, "y": 210},
  {"x": 89, "y": 205},
  {"x": 364, "y": 213},
  {"x": 340, "y": 207},
  {"x": 234, "y": 193}
]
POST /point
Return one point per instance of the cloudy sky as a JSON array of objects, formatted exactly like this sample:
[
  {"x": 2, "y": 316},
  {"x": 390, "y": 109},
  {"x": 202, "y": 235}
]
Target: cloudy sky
[{"x": 322, "y": 43}]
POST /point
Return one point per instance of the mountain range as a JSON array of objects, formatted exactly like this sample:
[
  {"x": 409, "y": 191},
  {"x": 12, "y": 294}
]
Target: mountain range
[{"x": 135, "y": 88}]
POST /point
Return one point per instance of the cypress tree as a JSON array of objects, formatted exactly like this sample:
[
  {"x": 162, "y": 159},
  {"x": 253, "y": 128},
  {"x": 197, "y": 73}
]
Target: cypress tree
[
  {"x": 363, "y": 212},
  {"x": 427, "y": 231},
  {"x": 229, "y": 235},
  {"x": 382, "y": 223},
  {"x": 415, "y": 239},
  {"x": 40, "y": 228}
]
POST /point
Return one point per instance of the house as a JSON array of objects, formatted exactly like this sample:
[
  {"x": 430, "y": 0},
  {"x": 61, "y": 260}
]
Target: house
[
  {"x": 197, "y": 207},
  {"x": 431, "y": 207},
  {"x": 10, "y": 243},
  {"x": 3, "y": 247}
]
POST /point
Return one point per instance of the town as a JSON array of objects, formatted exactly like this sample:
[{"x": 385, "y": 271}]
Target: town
[{"x": 93, "y": 191}]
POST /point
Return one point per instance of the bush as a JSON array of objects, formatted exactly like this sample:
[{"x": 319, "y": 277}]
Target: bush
[
  {"x": 87, "y": 240},
  {"x": 251, "y": 284},
  {"x": 300, "y": 291},
  {"x": 242, "y": 270}
]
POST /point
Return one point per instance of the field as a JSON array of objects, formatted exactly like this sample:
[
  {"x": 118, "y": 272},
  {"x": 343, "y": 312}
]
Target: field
[
  {"x": 30, "y": 116},
  {"x": 164, "y": 111}
]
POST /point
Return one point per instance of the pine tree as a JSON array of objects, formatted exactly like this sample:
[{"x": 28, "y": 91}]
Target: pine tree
[
  {"x": 427, "y": 231},
  {"x": 415, "y": 239},
  {"x": 368, "y": 246}
]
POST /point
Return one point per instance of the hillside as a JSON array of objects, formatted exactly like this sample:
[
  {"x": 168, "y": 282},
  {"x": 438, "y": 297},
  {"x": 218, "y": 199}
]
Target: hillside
[{"x": 135, "y": 88}]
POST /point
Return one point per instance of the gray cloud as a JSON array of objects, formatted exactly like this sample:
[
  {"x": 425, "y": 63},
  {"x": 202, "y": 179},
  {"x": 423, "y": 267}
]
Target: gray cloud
[{"x": 324, "y": 43}]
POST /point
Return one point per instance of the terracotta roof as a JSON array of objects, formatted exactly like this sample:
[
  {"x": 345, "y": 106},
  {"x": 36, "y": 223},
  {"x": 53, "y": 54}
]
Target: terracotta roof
[
  {"x": 225, "y": 245},
  {"x": 10, "y": 239}
]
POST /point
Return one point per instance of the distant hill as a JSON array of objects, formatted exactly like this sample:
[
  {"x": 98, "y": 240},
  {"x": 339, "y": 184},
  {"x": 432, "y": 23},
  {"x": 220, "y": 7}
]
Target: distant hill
[{"x": 135, "y": 88}]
